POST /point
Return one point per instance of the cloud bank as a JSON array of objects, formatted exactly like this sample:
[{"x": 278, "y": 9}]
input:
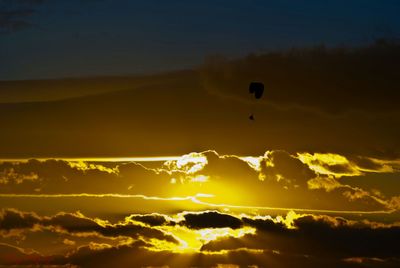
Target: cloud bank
[
  {"x": 276, "y": 179},
  {"x": 149, "y": 239}
]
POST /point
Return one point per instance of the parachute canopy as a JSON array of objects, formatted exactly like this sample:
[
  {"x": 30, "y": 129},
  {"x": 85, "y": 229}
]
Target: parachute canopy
[{"x": 256, "y": 88}]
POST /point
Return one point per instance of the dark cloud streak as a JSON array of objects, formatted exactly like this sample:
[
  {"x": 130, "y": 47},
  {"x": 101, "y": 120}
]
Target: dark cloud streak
[{"x": 15, "y": 15}]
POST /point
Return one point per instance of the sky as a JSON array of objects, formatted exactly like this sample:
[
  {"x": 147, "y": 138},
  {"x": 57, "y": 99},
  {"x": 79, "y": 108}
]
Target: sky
[
  {"x": 129, "y": 138},
  {"x": 53, "y": 39}
]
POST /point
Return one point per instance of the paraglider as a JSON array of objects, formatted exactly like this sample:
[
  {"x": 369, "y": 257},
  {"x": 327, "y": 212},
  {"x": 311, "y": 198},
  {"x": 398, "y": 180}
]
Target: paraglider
[{"x": 256, "y": 88}]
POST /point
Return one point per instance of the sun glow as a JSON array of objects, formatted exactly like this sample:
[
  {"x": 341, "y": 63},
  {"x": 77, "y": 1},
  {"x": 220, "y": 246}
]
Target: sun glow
[
  {"x": 211, "y": 234},
  {"x": 200, "y": 178},
  {"x": 253, "y": 162},
  {"x": 189, "y": 163},
  {"x": 190, "y": 240}
]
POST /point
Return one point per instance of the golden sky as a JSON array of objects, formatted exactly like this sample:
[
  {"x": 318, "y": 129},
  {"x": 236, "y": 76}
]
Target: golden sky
[
  {"x": 200, "y": 209},
  {"x": 166, "y": 170}
]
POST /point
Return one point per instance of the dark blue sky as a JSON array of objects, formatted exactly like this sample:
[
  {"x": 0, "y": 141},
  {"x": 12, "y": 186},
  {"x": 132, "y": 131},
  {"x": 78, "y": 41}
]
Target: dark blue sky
[{"x": 50, "y": 39}]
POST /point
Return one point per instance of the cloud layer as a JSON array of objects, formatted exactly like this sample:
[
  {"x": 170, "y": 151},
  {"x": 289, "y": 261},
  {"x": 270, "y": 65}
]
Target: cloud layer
[
  {"x": 277, "y": 179},
  {"x": 212, "y": 210},
  {"x": 150, "y": 239}
]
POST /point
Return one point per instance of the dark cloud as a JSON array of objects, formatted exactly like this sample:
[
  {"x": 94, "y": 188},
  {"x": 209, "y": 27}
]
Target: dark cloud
[
  {"x": 151, "y": 219},
  {"x": 227, "y": 166},
  {"x": 365, "y": 163},
  {"x": 140, "y": 257},
  {"x": 294, "y": 240},
  {"x": 330, "y": 80},
  {"x": 77, "y": 224},
  {"x": 287, "y": 168},
  {"x": 135, "y": 255},
  {"x": 339, "y": 237},
  {"x": 385, "y": 184},
  {"x": 15, "y": 91},
  {"x": 11, "y": 255},
  {"x": 265, "y": 224},
  {"x": 14, "y": 219},
  {"x": 12, "y": 21},
  {"x": 73, "y": 223},
  {"x": 15, "y": 14},
  {"x": 321, "y": 236},
  {"x": 211, "y": 219}
]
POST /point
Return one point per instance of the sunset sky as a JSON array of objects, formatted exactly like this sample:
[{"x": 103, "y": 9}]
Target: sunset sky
[{"x": 125, "y": 136}]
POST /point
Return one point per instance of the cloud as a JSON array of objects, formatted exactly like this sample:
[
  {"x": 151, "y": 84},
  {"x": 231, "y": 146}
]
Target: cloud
[
  {"x": 330, "y": 80},
  {"x": 154, "y": 219},
  {"x": 339, "y": 165},
  {"x": 303, "y": 239},
  {"x": 306, "y": 181},
  {"x": 136, "y": 255},
  {"x": 12, "y": 21},
  {"x": 318, "y": 236},
  {"x": 287, "y": 168},
  {"x": 210, "y": 219},
  {"x": 77, "y": 224},
  {"x": 236, "y": 258},
  {"x": 58, "y": 177},
  {"x": 11, "y": 255},
  {"x": 280, "y": 174},
  {"x": 10, "y": 176},
  {"x": 14, "y": 219},
  {"x": 15, "y": 15}
]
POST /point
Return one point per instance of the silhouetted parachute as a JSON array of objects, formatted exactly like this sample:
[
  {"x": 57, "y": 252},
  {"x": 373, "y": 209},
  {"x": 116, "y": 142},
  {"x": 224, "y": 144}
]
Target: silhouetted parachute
[{"x": 257, "y": 89}]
